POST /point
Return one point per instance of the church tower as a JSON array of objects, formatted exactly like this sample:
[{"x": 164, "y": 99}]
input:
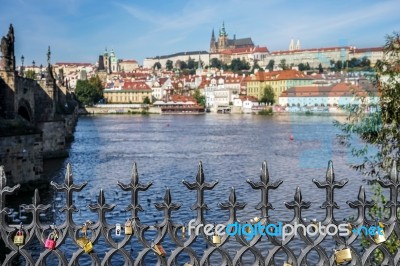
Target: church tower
[
  {"x": 291, "y": 45},
  {"x": 223, "y": 38},
  {"x": 106, "y": 61},
  {"x": 213, "y": 47},
  {"x": 298, "y": 46}
]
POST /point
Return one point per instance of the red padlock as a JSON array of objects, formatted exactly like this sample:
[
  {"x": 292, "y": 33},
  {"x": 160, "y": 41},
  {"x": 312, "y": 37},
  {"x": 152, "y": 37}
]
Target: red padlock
[{"x": 50, "y": 242}]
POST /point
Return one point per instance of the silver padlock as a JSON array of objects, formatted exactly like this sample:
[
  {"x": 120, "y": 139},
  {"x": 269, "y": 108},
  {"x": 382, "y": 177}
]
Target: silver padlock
[{"x": 118, "y": 229}]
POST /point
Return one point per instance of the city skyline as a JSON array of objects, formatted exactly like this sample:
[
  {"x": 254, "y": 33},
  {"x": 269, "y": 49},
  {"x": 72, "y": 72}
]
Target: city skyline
[{"x": 78, "y": 31}]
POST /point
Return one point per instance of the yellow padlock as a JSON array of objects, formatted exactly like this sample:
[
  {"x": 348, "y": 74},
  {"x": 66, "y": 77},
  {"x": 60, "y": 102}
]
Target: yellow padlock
[
  {"x": 128, "y": 227},
  {"x": 84, "y": 241},
  {"x": 287, "y": 264},
  {"x": 88, "y": 247},
  {"x": 19, "y": 238},
  {"x": 343, "y": 256},
  {"x": 379, "y": 236}
]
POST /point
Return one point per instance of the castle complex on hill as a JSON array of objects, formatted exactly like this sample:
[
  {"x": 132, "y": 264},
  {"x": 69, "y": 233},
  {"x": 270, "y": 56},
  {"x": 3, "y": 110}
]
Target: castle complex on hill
[
  {"x": 223, "y": 43},
  {"x": 225, "y": 49}
]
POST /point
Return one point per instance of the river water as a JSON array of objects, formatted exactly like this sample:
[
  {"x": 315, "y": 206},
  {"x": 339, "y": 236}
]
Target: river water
[{"x": 232, "y": 148}]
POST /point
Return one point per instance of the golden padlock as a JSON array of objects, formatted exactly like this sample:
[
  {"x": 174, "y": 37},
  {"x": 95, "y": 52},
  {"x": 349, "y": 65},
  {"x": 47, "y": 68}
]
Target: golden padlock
[
  {"x": 187, "y": 264},
  {"x": 379, "y": 236},
  {"x": 19, "y": 238},
  {"x": 216, "y": 239},
  {"x": 159, "y": 250},
  {"x": 88, "y": 247},
  {"x": 128, "y": 227},
  {"x": 287, "y": 264},
  {"x": 84, "y": 241},
  {"x": 343, "y": 256},
  {"x": 350, "y": 229},
  {"x": 183, "y": 231}
]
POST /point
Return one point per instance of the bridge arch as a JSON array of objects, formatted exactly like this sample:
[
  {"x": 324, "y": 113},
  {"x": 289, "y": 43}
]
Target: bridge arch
[{"x": 24, "y": 110}]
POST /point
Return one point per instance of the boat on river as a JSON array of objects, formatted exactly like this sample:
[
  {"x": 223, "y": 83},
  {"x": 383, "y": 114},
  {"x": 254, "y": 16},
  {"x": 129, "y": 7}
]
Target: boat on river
[{"x": 180, "y": 104}]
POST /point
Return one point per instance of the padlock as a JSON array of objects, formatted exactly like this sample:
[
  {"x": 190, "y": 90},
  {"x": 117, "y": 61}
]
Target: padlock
[
  {"x": 50, "y": 242},
  {"x": 379, "y": 236},
  {"x": 287, "y": 264},
  {"x": 159, "y": 250},
  {"x": 19, "y": 238},
  {"x": 350, "y": 229},
  {"x": 85, "y": 243},
  {"x": 128, "y": 227},
  {"x": 187, "y": 264},
  {"x": 315, "y": 225},
  {"x": 118, "y": 229},
  {"x": 216, "y": 239},
  {"x": 343, "y": 256},
  {"x": 183, "y": 231}
]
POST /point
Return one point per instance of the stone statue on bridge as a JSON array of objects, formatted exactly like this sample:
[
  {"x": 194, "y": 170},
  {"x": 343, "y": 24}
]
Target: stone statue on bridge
[{"x": 7, "y": 51}]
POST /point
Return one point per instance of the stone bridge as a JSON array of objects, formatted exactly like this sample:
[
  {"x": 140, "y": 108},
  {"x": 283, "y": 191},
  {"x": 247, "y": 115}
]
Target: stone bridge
[{"x": 37, "y": 116}]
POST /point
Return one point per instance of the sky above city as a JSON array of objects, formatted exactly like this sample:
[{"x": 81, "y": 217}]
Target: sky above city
[{"x": 80, "y": 30}]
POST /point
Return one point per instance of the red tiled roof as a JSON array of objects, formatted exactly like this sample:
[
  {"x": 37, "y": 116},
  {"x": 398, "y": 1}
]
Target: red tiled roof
[
  {"x": 72, "y": 64},
  {"x": 182, "y": 98},
  {"x": 135, "y": 85}
]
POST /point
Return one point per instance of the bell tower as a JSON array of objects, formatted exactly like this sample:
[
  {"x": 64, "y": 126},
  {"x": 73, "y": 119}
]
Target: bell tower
[{"x": 223, "y": 38}]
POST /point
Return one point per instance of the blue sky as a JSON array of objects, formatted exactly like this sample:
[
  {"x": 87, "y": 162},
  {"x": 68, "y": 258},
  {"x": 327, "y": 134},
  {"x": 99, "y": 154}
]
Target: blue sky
[{"x": 79, "y": 30}]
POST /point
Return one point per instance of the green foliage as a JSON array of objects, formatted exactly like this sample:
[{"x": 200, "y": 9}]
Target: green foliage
[
  {"x": 30, "y": 74},
  {"x": 146, "y": 100},
  {"x": 303, "y": 66},
  {"x": 268, "y": 96},
  {"x": 201, "y": 99},
  {"x": 90, "y": 91},
  {"x": 320, "y": 68},
  {"x": 239, "y": 65},
  {"x": 380, "y": 130},
  {"x": 169, "y": 65},
  {"x": 157, "y": 65},
  {"x": 270, "y": 65},
  {"x": 256, "y": 66},
  {"x": 283, "y": 64},
  {"x": 215, "y": 62}
]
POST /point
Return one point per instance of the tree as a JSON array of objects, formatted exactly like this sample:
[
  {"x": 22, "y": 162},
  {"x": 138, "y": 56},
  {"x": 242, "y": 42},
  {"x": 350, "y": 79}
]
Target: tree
[
  {"x": 169, "y": 65},
  {"x": 146, "y": 100},
  {"x": 157, "y": 65},
  {"x": 215, "y": 62},
  {"x": 301, "y": 67},
  {"x": 200, "y": 99},
  {"x": 238, "y": 65},
  {"x": 183, "y": 65},
  {"x": 30, "y": 74},
  {"x": 320, "y": 68},
  {"x": 282, "y": 64},
  {"x": 89, "y": 91},
  {"x": 380, "y": 130},
  {"x": 268, "y": 96},
  {"x": 256, "y": 66},
  {"x": 191, "y": 64},
  {"x": 270, "y": 65},
  {"x": 338, "y": 65}
]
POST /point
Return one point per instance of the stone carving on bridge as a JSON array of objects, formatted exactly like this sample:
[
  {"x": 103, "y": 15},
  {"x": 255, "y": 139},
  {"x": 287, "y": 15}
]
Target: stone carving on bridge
[{"x": 7, "y": 50}]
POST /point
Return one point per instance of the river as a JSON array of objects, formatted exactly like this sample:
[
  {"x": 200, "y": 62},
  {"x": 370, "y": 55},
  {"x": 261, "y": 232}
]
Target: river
[{"x": 232, "y": 148}]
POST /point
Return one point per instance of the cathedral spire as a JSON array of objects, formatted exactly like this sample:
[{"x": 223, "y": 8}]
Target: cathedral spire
[
  {"x": 222, "y": 32},
  {"x": 291, "y": 45}
]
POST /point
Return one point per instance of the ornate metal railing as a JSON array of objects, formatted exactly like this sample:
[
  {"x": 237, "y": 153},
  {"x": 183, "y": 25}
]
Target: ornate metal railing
[{"x": 51, "y": 239}]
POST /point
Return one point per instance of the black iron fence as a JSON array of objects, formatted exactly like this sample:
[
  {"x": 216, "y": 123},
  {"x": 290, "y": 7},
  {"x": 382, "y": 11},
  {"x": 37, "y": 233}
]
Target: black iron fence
[{"x": 294, "y": 249}]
